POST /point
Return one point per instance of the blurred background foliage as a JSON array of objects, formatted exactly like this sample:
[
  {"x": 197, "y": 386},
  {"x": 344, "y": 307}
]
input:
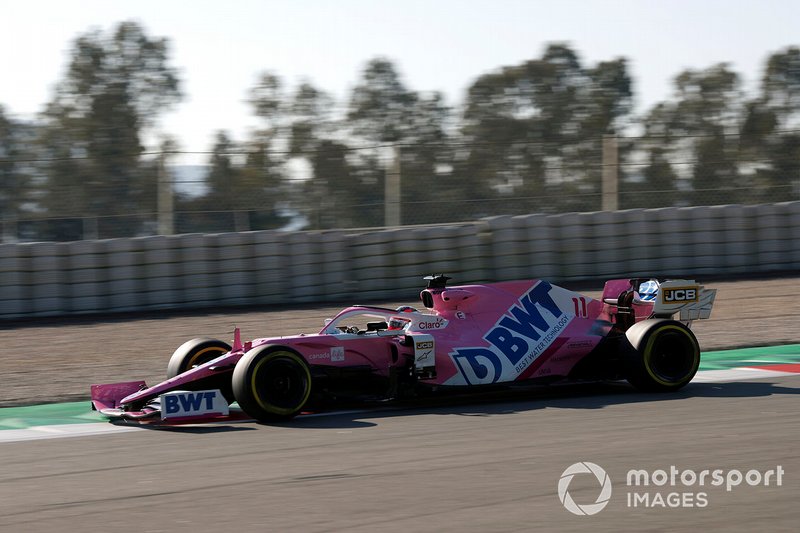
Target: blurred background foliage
[{"x": 526, "y": 139}]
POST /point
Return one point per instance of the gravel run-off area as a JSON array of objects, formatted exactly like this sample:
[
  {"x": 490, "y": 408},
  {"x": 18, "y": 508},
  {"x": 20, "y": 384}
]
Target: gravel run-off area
[{"x": 54, "y": 360}]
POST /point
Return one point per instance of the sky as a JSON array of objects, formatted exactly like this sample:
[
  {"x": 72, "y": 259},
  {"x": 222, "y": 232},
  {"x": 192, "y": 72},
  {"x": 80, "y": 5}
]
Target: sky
[{"x": 220, "y": 47}]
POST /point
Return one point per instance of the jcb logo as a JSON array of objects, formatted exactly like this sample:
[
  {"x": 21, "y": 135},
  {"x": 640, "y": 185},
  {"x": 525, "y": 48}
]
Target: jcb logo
[
  {"x": 425, "y": 345},
  {"x": 674, "y": 295}
]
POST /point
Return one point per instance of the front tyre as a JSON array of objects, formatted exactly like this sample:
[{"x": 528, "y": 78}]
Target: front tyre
[
  {"x": 665, "y": 357},
  {"x": 272, "y": 383},
  {"x": 194, "y": 353}
]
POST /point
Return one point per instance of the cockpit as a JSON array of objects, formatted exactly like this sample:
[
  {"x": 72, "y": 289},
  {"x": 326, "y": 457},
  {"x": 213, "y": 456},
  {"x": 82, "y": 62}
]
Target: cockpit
[{"x": 364, "y": 320}]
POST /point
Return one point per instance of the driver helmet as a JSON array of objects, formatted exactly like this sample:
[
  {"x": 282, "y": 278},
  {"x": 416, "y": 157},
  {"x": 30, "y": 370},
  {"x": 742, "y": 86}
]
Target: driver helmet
[
  {"x": 397, "y": 322},
  {"x": 648, "y": 291}
]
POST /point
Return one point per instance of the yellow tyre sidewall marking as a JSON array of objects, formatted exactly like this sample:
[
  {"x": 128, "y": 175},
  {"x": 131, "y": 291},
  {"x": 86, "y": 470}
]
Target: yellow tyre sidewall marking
[
  {"x": 196, "y": 356},
  {"x": 254, "y": 390},
  {"x": 648, "y": 352}
]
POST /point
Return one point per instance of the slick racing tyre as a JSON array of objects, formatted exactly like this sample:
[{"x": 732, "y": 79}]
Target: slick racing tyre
[
  {"x": 272, "y": 383},
  {"x": 196, "y": 352},
  {"x": 193, "y": 353},
  {"x": 665, "y": 355}
]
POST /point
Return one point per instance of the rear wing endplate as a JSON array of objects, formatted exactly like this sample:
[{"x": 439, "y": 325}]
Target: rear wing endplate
[{"x": 687, "y": 297}]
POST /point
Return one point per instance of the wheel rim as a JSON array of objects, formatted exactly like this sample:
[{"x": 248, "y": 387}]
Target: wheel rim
[
  {"x": 672, "y": 356},
  {"x": 204, "y": 356},
  {"x": 280, "y": 384}
]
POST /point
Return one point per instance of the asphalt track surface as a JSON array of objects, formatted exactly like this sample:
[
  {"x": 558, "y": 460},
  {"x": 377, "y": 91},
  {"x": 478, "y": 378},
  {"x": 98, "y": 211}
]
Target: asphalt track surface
[
  {"x": 444, "y": 465},
  {"x": 450, "y": 464}
]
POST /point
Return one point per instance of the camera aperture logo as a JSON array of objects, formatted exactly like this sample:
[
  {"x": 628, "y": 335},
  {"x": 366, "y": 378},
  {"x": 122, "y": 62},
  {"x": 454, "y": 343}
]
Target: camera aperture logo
[
  {"x": 584, "y": 467},
  {"x": 663, "y": 488}
]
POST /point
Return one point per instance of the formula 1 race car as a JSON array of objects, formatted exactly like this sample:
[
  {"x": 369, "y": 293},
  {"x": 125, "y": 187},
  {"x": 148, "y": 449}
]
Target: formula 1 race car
[{"x": 500, "y": 334}]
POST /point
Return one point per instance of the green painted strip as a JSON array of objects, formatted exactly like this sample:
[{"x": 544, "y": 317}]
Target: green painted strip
[
  {"x": 81, "y": 413},
  {"x": 48, "y": 415},
  {"x": 768, "y": 355}
]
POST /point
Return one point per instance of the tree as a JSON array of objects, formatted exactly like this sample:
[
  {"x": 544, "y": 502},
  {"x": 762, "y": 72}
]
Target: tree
[
  {"x": 698, "y": 133},
  {"x": 292, "y": 127},
  {"x": 657, "y": 187},
  {"x": 15, "y": 173},
  {"x": 770, "y": 147},
  {"x": 610, "y": 97},
  {"x": 535, "y": 130},
  {"x": 780, "y": 85},
  {"x": 266, "y": 99},
  {"x": 223, "y": 176},
  {"x": 328, "y": 195},
  {"x": 429, "y": 190},
  {"x": 381, "y": 107},
  {"x": 309, "y": 115},
  {"x": 243, "y": 189},
  {"x": 383, "y": 111},
  {"x": 114, "y": 89},
  {"x": 259, "y": 186}
]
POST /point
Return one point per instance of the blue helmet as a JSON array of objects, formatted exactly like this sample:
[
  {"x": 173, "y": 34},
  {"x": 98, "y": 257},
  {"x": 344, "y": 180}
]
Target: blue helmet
[{"x": 648, "y": 291}]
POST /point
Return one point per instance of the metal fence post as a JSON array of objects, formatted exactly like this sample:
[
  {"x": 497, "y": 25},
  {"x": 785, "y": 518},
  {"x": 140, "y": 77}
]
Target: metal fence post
[
  {"x": 610, "y": 173},
  {"x": 391, "y": 198},
  {"x": 166, "y": 218}
]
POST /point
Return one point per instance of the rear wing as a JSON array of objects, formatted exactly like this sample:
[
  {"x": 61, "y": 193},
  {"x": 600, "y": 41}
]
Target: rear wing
[{"x": 684, "y": 296}]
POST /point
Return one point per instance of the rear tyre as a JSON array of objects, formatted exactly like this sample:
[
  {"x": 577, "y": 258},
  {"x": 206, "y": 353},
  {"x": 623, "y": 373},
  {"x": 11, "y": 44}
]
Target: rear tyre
[
  {"x": 665, "y": 359},
  {"x": 272, "y": 383}
]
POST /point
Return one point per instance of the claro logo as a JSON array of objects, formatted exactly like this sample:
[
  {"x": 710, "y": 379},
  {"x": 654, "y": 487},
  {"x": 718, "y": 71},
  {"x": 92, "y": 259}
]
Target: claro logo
[
  {"x": 679, "y": 294},
  {"x": 431, "y": 325}
]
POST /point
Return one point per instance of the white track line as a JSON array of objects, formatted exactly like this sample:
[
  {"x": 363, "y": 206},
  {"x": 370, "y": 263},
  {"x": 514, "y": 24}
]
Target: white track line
[
  {"x": 738, "y": 374},
  {"x": 61, "y": 431}
]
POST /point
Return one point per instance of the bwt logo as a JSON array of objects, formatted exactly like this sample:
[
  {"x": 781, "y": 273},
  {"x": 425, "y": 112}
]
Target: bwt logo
[
  {"x": 516, "y": 340},
  {"x": 670, "y": 295},
  {"x": 189, "y": 402}
]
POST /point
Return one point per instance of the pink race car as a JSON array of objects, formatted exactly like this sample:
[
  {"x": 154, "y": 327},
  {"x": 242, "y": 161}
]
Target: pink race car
[{"x": 503, "y": 334}]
